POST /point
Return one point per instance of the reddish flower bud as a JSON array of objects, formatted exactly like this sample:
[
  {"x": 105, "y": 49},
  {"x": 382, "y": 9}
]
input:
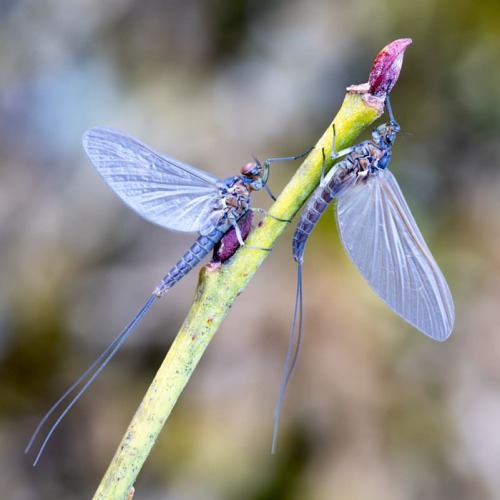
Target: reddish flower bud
[{"x": 387, "y": 66}]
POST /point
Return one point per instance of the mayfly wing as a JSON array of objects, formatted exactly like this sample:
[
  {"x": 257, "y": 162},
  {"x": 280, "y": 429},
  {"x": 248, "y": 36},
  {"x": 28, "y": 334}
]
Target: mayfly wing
[
  {"x": 381, "y": 237},
  {"x": 164, "y": 191},
  {"x": 161, "y": 189}
]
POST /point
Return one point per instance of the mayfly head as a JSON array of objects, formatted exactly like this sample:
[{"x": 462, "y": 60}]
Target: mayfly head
[{"x": 254, "y": 174}]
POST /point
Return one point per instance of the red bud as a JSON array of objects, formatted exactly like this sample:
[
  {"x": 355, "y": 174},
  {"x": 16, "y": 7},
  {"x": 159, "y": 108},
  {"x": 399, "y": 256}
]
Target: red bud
[{"x": 387, "y": 66}]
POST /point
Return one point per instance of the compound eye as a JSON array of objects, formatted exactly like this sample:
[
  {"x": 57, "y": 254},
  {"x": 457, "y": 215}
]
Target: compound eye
[{"x": 250, "y": 169}]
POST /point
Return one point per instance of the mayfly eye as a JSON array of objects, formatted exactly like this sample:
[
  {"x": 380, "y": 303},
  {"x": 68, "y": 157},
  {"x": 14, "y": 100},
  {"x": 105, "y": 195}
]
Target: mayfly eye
[{"x": 250, "y": 169}]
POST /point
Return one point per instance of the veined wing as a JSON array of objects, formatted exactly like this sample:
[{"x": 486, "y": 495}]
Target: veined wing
[
  {"x": 161, "y": 189},
  {"x": 383, "y": 240}
]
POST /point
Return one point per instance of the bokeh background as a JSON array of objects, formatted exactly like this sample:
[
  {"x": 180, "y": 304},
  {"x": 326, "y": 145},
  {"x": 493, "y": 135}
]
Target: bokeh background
[{"x": 375, "y": 409}]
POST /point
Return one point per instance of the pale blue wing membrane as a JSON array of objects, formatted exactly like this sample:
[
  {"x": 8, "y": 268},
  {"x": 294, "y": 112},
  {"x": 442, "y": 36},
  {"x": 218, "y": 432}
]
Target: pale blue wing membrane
[
  {"x": 384, "y": 242},
  {"x": 161, "y": 189}
]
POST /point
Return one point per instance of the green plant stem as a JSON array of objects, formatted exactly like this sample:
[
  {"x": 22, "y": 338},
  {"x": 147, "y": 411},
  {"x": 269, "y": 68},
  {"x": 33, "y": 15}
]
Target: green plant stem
[{"x": 218, "y": 288}]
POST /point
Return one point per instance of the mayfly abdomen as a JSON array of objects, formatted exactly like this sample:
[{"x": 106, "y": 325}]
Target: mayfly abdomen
[{"x": 191, "y": 258}]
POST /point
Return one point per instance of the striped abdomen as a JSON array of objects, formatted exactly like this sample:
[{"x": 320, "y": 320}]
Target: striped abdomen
[
  {"x": 196, "y": 252},
  {"x": 339, "y": 178}
]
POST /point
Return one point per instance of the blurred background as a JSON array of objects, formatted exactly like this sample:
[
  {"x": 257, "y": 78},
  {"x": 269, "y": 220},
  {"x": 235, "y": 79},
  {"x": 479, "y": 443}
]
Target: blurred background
[{"x": 375, "y": 409}]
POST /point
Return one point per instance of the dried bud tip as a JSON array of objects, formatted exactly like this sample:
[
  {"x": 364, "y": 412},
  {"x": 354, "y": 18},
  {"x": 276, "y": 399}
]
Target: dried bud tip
[
  {"x": 387, "y": 66},
  {"x": 213, "y": 266}
]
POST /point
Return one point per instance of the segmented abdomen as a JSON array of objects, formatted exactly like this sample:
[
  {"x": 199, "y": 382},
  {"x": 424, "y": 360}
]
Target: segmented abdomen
[
  {"x": 322, "y": 196},
  {"x": 195, "y": 253}
]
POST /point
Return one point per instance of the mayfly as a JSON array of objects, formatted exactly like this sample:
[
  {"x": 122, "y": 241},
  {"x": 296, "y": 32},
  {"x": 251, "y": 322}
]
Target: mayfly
[
  {"x": 175, "y": 196},
  {"x": 380, "y": 236}
]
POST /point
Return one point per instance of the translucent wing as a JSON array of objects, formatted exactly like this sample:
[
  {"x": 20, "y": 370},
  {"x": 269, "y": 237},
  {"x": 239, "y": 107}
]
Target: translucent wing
[
  {"x": 161, "y": 189},
  {"x": 383, "y": 240}
]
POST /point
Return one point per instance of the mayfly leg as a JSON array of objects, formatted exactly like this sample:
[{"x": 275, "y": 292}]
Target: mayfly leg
[
  {"x": 268, "y": 162},
  {"x": 265, "y": 173},
  {"x": 334, "y": 155},
  {"x": 267, "y": 214},
  {"x": 239, "y": 236}
]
